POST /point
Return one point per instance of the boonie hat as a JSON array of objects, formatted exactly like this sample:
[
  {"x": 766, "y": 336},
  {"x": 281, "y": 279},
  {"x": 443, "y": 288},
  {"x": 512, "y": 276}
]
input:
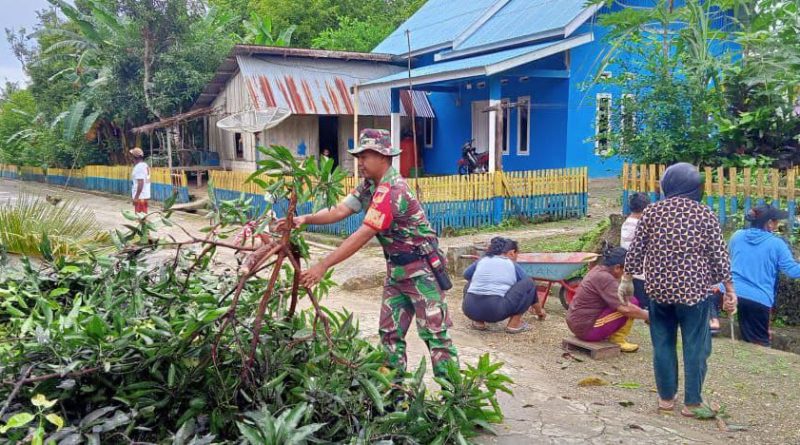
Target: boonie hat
[{"x": 377, "y": 140}]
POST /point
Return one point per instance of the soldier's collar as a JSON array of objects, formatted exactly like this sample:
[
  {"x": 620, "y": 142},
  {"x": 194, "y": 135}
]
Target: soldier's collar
[{"x": 390, "y": 174}]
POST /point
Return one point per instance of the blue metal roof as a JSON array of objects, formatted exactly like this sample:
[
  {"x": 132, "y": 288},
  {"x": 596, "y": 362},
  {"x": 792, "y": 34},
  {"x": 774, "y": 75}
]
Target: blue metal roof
[
  {"x": 436, "y": 22},
  {"x": 466, "y": 25},
  {"x": 483, "y": 65},
  {"x": 520, "y": 18}
]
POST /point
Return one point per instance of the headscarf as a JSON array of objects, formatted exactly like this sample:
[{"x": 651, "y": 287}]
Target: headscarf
[
  {"x": 682, "y": 180},
  {"x": 614, "y": 256}
]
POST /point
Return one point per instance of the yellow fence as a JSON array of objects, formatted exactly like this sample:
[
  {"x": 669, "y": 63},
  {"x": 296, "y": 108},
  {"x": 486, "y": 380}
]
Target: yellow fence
[
  {"x": 729, "y": 191},
  {"x": 105, "y": 178},
  {"x": 455, "y": 187},
  {"x": 720, "y": 181}
]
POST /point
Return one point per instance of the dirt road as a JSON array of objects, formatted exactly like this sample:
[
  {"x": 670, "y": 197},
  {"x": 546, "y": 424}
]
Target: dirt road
[{"x": 758, "y": 387}]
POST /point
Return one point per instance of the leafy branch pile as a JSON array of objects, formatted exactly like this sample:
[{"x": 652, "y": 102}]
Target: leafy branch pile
[{"x": 162, "y": 343}]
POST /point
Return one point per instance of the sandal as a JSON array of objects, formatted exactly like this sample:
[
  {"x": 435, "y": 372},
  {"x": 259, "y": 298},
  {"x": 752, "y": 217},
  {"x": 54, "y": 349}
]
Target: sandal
[
  {"x": 522, "y": 328},
  {"x": 479, "y": 327},
  {"x": 667, "y": 405},
  {"x": 688, "y": 411}
]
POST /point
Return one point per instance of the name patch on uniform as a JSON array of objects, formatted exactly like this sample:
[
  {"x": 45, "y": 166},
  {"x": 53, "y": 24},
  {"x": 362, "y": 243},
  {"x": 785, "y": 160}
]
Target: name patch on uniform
[{"x": 379, "y": 215}]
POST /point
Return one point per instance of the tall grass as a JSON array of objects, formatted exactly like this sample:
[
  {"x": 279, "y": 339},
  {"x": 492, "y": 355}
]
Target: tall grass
[{"x": 71, "y": 229}]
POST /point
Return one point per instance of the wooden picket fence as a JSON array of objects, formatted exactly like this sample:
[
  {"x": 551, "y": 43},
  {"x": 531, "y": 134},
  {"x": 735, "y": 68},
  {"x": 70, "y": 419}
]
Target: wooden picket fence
[
  {"x": 730, "y": 192},
  {"x": 455, "y": 201},
  {"x": 113, "y": 179}
]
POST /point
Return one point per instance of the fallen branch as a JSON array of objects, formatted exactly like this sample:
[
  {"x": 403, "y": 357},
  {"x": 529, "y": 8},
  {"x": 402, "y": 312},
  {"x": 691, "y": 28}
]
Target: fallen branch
[
  {"x": 55, "y": 375},
  {"x": 22, "y": 376}
]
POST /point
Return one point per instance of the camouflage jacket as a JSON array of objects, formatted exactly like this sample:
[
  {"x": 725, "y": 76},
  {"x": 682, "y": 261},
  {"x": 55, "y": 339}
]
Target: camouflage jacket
[{"x": 393, "y": 210}]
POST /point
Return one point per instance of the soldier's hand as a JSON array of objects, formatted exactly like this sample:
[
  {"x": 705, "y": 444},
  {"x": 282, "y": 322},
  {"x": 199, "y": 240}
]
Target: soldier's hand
[
  {"x": 312, "y": 276},
  {"x": 297, "y": 221}
]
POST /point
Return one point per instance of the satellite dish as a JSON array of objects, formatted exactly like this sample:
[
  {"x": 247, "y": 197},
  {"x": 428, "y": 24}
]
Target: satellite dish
[{"x": 254, "y": 121}]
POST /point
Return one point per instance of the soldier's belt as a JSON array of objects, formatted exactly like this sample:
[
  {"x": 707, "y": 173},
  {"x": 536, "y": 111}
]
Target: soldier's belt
[{"x": 402, "y": 259}]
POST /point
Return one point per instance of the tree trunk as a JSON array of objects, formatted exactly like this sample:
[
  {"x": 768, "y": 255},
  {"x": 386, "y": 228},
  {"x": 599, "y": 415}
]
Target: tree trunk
[{"x": 147, "y": 63}]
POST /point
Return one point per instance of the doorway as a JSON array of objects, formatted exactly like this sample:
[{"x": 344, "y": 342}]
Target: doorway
[
  {"x": 329, "y": 137},
  {"x": 480, "y": 125}
]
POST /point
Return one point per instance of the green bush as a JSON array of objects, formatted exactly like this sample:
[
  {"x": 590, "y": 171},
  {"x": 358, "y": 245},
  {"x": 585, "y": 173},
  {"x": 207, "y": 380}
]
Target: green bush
[{"x": 153, "y": 344}]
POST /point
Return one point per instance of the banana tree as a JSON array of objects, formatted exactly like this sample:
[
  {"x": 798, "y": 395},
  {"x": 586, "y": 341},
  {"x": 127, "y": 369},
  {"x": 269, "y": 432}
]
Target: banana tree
[{"x": 260, "y": 32}]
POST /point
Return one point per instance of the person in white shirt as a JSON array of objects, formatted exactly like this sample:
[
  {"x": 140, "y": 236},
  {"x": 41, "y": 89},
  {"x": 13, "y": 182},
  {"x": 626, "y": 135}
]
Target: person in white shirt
[
  {"x": 140, "y": 189},
  {"x": 637, "y": 203}
]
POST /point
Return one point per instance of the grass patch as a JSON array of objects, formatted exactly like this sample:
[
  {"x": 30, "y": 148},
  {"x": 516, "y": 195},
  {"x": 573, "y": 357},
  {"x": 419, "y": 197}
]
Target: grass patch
[{"x": 70, "y": 228}]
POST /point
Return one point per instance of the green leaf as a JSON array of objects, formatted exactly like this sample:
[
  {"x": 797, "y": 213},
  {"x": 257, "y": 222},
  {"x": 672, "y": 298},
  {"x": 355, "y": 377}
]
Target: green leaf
[
  {"x": 251, "y": 435},
  {"x": 16, "y": 421},
  {"x": 56, "y": 420},
  {"x": 373, "y": 393},
  {"x": 71, "y": 269},
  {"x": 40, "y": 401},
  {"x": 96, "y": 328},
  {"x": 61, "y": 290}
]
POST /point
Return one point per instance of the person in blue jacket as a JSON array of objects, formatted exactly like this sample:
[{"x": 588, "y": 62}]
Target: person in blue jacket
[{"x": 757, "y": 256}]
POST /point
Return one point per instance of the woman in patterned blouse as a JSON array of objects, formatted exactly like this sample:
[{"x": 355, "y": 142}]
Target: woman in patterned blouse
[{"x": 679, "y": 248}]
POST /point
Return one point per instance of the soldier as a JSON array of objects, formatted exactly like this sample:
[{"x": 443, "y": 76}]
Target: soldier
[{"x": 395, "y": 216}]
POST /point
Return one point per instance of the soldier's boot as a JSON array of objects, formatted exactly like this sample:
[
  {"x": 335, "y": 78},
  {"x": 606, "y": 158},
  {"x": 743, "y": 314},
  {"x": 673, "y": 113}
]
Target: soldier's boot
[{"x": 621, "y": 338}]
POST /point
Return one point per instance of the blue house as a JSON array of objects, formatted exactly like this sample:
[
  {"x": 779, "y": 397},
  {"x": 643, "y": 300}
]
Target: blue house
[{"x": 526, "y": 59}]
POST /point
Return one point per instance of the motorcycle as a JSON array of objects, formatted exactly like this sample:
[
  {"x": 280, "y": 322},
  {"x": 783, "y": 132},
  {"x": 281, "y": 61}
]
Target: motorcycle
[{"x": 471, "y": 161}]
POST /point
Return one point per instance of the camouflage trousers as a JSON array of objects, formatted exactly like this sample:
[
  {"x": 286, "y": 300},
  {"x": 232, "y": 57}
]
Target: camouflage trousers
[{"x": 402, "y": 300}]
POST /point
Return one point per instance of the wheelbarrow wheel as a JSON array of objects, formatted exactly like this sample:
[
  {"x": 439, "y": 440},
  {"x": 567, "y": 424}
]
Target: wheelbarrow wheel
[{"x": 567, "y": 293}]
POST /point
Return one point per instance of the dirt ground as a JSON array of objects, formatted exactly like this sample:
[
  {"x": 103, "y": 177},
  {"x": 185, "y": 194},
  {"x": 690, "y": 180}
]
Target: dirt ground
[{"x": 757, "y": 387}]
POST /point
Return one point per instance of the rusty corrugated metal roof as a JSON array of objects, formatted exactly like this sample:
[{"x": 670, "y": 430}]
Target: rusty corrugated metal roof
[{"x": 316, "y": 86}]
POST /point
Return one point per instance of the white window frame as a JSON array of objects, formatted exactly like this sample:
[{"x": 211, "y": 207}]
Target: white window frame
[
  {"x": 600, "y": 96},
  {"x": 507, "y": 120},
  {"x": 426, "y": 132},
  {"x": 622, "y": 116},
  {"x": 527, "y": 150}
]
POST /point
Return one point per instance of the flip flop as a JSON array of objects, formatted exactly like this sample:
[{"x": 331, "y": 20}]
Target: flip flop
[
  {"x": 478, "y": 327},
  {"x": 522, "y": 328},
  {"x": 688, "y": 412},
  {"x": 667, "y": 405}
]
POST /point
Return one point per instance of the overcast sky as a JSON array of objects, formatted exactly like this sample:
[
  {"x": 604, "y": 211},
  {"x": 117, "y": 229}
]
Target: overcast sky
[{"x": 15, "y": 14}]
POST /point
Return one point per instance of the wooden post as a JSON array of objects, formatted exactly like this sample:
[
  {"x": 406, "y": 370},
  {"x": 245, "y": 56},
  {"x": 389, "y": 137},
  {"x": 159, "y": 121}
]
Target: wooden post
[
  {"x": 169, "y": 150},
  {"x": 642, "y": 178},
  {"x": 625, "y": 176},
  {"x": 790, "y": 195},
  {"x": 652, "y": 177},
  {"x": 499, "y": 137},
  {"x": 775, "y": 177},
  {"x": 747, "y": 182},
  {"x": 355, "y": 130}
]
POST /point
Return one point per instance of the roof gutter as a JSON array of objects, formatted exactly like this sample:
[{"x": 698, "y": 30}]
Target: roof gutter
[
  {"x": 459, "y": 53},
  {"x": 539, "y": 54},
  {"x": 487, "y": 70}
]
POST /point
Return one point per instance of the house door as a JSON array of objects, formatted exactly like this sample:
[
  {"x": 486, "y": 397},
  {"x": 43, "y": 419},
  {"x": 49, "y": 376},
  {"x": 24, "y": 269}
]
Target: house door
[
  {"x": 329, "y": 137},
  {"x": 480, "y": 125}
]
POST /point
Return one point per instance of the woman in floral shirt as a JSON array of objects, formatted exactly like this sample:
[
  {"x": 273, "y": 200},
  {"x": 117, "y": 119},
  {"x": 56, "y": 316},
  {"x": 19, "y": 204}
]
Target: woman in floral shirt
[{"x": 679, "y": 248}]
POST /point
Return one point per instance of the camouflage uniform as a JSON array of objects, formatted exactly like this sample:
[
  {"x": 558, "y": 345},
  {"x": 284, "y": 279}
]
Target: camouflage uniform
[{"x": 410, "y": 289}]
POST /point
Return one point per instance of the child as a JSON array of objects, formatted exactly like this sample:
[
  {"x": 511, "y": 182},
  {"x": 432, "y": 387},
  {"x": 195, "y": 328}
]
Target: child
[{"x": 637, "y": 203}]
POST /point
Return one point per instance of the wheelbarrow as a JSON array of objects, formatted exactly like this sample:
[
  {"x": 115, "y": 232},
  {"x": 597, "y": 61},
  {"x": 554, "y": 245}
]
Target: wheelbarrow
[
  {"x": 555, "y": 268},
  {"x": 547, "y": 269}
]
